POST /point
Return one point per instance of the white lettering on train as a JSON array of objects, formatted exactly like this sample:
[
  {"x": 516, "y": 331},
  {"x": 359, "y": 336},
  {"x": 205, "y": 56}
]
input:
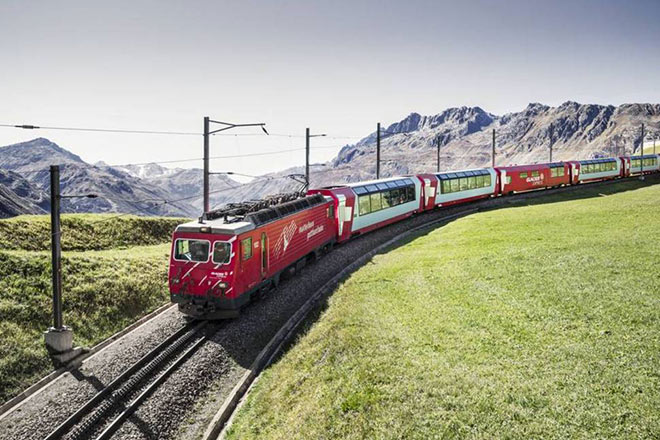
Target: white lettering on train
[{"x": 315, "y": 231}]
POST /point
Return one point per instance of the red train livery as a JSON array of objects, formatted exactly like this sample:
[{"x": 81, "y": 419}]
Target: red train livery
[
  {"x": 220, "y": 261},
  {"x": 216, "y": 265}
]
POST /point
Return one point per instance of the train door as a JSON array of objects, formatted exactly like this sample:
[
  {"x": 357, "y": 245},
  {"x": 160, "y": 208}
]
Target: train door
[
  {"x": 264, "y": 254},
  {"x": 344, "y": 217},
  {"x": 429, "y": 193},
  {"x": 575, "y": 173}
]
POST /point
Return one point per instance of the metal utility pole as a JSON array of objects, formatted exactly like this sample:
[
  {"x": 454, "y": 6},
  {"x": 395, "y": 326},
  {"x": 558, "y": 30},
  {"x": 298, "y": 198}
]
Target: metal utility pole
[
  {"x": 206, "y": 164},
  {"x": 437, "y": 141},
  {"x": 58, "y": 338},
  {"x": 307, "y": 137},
  {"x": 378, "y": 151},
  {"x": 493, "y": 152},
  {"x": 56, "y": 248},
  {"x": 552, "y": 132},
  {"x": 641, "y": 157},
  {"x": 207, "y": 133}
]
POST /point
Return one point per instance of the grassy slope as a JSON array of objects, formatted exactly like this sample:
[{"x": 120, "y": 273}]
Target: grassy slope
[
  {"x": 81, "y": 232},
  {"x": 104, "y": 291},
  {"x": 526, "y": 322}
]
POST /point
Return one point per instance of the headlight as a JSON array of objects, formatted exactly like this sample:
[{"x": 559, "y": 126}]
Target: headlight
[{"x": 222, "y": 285}]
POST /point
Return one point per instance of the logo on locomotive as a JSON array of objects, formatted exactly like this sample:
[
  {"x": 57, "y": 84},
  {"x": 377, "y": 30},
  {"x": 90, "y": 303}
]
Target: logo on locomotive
[{"x": 290, "y": 230}]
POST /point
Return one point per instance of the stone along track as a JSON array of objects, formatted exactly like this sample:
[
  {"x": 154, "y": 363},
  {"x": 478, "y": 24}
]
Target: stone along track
[
  {"x": 185, "y": 404},
  {"x": 139, "y": 380}
]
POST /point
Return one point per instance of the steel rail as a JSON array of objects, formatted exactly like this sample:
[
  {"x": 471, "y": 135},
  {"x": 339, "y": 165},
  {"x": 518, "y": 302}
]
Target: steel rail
[
  {"x": 130, "y": 409},
  {"x": 129, "y": 378}
]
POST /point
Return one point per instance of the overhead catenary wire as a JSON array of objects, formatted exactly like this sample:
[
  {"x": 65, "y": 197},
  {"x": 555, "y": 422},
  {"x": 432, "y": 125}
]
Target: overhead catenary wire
[{"x": 156, "y": 132}]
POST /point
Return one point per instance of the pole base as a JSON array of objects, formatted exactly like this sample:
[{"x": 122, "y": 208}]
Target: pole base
[{"x": 59, "y": 343}]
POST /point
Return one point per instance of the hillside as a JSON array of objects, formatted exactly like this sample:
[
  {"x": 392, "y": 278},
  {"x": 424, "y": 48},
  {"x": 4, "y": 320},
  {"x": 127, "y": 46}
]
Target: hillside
[
  {"x": 18, "y": 196},
  {"x": 86, "y": 232},
  {"x": 117, "y": 190},
  {"x": 535, "y": 321},
  {"x": 103, "y": 290}
]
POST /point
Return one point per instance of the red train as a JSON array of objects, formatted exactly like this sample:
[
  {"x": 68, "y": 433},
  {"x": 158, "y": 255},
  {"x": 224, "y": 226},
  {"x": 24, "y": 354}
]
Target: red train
[{"x": 220, "y": 261}]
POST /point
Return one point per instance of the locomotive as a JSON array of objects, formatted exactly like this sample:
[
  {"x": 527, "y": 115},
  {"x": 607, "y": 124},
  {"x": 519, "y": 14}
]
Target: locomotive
[{"x": 220, "y": 261}]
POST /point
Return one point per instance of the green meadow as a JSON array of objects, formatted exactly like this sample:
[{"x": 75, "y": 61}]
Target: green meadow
[
  {"x": 114, "y": 271},
  {"x": 539, "y": 320}
]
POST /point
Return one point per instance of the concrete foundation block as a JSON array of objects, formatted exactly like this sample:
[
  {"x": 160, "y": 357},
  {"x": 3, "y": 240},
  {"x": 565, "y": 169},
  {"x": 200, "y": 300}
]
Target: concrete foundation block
[{"x": 58, "y": 340}]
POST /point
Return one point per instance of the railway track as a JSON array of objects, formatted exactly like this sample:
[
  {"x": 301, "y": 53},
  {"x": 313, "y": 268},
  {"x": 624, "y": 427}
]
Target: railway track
[{"x": 103, "y": 414}]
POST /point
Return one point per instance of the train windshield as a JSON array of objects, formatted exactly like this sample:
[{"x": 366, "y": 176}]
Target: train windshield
[
  {"x": 221, "y": 252},
  {"x": 191, "y": 250}
]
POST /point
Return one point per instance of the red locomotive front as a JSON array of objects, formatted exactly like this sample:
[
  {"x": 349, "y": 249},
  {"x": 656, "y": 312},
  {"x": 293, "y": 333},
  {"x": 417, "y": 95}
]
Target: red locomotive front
[{"x": 216, "y": 264}]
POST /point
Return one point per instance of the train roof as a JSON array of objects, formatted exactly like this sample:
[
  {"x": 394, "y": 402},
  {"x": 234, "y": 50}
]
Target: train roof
[
  {"x": 536, "y": 166},
  {"x": 603, "y": 160},
  {"x": 646, "y": 156},
  {"x": 216, "y": 226},
  {"x": 231, "y": 225},
  {"x": 463, "y": 173}
]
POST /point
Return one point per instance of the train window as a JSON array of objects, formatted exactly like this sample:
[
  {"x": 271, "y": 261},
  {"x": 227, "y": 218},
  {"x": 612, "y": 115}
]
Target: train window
[
  {"x": 221, "y": 252},
  {"x": 523, "y": 175},
  {"x": 360, "y": 190},
  {"x": 391, "y": 185},
  {"x": 365, "y": 205},
  {"x": 455, "y": 185},
  {"x": 386, "y": 199},
  {"x": 394, "y": 197},
  {"x": 331, "y": 211},
  {"x": 463, "y": 183},
  {"x": 192, "y": 250},
  {"x": 487, "y": 180},
  {"x": 535, "y": 174},
  {"x": 472, "y": 182},
  {"x": 382, "y": 186},
  {"x": 246, "y": 248},
  {"x": 372, "y": 188},
  {"x": 375, "y": 202},
  {"x": 446, "y": 186},
  {"x": 411, "y": 194},
  {"x": 480, "y": 181},
  {"x": 508, "y": 180}
]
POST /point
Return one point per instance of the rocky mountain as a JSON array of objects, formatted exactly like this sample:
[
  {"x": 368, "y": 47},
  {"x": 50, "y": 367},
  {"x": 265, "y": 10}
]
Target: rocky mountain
[
  {"x": 580, "y": 131},
  {"x": 18, "y": 196},
  {"x": 182, "y": 183},
  {"x": 117, "y": 190}
]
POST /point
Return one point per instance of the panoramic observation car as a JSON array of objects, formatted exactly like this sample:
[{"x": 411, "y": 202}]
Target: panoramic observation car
[
  {"x": 464, "y": 186},
  {"x": 217, "y": 264},
  {"x": 649, "y": 163},
  {"x": 521, "y": 178},
  {"x": 596, "y": 169},
  {"x": 365, "y": 206}
]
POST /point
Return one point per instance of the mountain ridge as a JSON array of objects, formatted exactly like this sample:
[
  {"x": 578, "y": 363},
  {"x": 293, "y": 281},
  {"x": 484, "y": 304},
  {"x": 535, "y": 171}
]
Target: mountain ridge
[{"x": 580, "y": 131}]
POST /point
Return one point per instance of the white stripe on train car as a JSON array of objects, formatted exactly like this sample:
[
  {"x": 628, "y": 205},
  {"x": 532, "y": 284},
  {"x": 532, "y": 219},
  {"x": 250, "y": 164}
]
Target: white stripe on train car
[{"x": 191, "y": 269}]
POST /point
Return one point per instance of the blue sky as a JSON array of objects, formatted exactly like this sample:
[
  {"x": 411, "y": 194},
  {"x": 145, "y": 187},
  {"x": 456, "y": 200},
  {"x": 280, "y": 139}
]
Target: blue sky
[{"x": 338, "y": 67}]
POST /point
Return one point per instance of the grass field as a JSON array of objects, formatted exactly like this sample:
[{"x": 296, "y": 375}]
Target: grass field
[
  {"x": 534, "y": 321},
  {"x": 83, "y": 232},
  {"x": 103, "y": 290}
]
